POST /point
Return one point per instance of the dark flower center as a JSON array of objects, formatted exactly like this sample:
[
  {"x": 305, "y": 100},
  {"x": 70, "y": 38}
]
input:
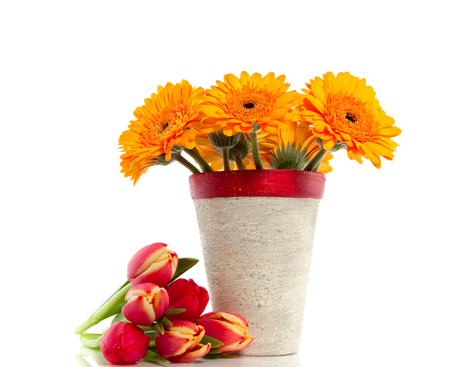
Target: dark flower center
[
  {"x": 164, "y": 125},
  {"x": 350, "y": 116},
  {"x": 249, "y": 105}
]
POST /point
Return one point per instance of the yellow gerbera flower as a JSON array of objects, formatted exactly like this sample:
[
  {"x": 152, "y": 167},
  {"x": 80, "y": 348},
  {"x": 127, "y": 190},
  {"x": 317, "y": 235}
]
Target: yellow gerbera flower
[
  {"x": 163, "y": 123},
  {"x": 237, "y": 103},
  {"x": 342, "y": 108},
  {"x": 296, "y": 148}
]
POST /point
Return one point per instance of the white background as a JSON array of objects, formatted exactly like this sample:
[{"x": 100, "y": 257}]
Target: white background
[{"x": 72, "y": 73}]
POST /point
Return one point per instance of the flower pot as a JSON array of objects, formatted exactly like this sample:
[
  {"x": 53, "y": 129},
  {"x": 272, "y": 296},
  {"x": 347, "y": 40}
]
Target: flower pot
[{"x": 257, "y": 230}]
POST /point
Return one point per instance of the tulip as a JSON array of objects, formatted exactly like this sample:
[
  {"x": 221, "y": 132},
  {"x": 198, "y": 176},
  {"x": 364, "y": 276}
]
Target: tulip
[
  {"x": 188, "y": 295},
  {"x": 228, "y": 328},
  {"x": 181, "y": 342},
  {"x": 152, "y": 264},
  {"x": 124, "y": 343},
  {"x": 146, "y": 303}
]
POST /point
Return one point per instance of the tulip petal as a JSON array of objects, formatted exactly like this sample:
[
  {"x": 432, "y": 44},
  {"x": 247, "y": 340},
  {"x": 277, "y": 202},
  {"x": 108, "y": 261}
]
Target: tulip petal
[
  {"x": 172, "y": 343},
  {"x": 143, "y": 289},
  {"x": 198, "y": 351},
  {"x": 124, "y": 343},
  {"x": 139, "y": 311},
  {"x": 137, "y": 350},
  {"x": 176, "y": 289},
  {"x": 161, "y": 303},
  {"x": 223, "y": 331},
  {"x": 142, "y": 259},
  {"x": 159, "y": 273}
]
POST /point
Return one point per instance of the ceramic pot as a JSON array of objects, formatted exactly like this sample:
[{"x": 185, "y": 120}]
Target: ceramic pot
[{"x": 257, "y": 231}]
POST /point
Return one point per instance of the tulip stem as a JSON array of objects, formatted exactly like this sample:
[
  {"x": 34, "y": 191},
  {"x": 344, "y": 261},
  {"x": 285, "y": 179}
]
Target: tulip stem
[{"x": 109, "y": 308}]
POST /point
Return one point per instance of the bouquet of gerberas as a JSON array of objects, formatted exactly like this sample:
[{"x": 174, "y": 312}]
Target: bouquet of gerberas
[
  {"x": 158, "y": 316},
  {"x": 254, "y": 122}
]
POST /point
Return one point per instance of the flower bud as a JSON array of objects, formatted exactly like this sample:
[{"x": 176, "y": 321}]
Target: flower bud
[
  {"x": 180, "y": 342},
  {"x": 188, "y": 295},
  {"x": 152, "y": 264},
  {"x": 124, "y": 343},
  {"x": 228, "y": 328},
  {"x": 146, "y": 303}
]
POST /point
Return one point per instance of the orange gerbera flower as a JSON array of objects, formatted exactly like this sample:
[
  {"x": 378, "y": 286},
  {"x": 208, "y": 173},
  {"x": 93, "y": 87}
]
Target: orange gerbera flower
[
  {"x": 342, "y": 108},
  {"x": 297, "y": 147},
  {"x": 162, "y": 124},
  {"x": 236, "y": 104}
]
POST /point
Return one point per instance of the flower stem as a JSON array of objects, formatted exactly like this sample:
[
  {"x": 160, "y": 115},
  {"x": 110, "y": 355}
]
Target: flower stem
[
  {"x": 109, "y": 308},
  {"x": 255, "y": 151},
  {"x": 186, "y": 163},
  {"x": 313, "y": 164},
  {"x": 226, "y": 159},
  {"x": 238, "y": 161},
  {"x": 198, "y": 158}
]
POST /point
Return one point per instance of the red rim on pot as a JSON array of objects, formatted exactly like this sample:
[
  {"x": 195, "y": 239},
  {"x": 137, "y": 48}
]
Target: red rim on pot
[{"x": 289, "y": 183}]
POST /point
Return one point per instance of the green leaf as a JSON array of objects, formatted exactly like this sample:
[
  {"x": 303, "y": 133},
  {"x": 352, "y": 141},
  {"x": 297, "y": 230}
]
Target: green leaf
[
  {"x": 214, "y": 342},
  {"x": 91, "y": 340},
  {"x": 117, "y": 290},
  {"x": 214, "y": 351},
  {"x": 184, "y": 264},
  {"x": 165, "y": 321},
  {"x": 174, "y": 311},
  {"x": 154, "y": 357},
  {"x": 119, "y": 318},
  {"x": 219, "y": 356},
  {"x": 158, "y": 328}
]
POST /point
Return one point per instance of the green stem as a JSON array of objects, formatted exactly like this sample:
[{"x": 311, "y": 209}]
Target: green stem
[
  {"x": 198, "y": 158},
  {"x": 226, "y": 159},
  {"x": 109, "y": 308},
  {"x": 255, "y": 151},
  {"x": 186, "y": 163},
  {"x": 238, "y": 161},
  {"x": 313, "y": 164}
]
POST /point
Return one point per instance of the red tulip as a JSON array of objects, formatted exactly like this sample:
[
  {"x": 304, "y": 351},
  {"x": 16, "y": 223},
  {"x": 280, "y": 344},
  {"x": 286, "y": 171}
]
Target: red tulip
[
  {"x": 188, "y": 295},
  {"x": 152, "y": 264},
  {"x": 124, "y": 343},
  {"x": 146, "y": 303},
  {"x": 181, "y": 342},
  {"x": 228, "y": 328}
]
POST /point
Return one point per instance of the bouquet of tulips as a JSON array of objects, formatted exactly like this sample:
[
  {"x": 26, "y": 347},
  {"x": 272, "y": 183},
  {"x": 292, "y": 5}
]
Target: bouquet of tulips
[
  {"x": 254, "y": 122},
  {"x": 158, "y": 316}
]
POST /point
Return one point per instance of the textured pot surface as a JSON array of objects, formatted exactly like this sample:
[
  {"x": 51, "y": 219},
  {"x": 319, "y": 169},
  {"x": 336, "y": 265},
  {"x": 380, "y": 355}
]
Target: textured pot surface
[{"x": 257, "y": 253}]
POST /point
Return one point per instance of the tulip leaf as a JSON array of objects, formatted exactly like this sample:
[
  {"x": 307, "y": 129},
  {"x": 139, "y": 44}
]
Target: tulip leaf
[
  {"x": 214, "y": 351},
  {"x": 91, "y": 340},
  {"x": 117, "y": 291},
  {"x": 184, "y": 264},
  {"x": 154, "y": 357},
  {"x": 158, "y": 328},
  {"x": 165, "y": 321},
  {"x": 214, "y": 342},
  {"x": 174, "y": 311},
  {"x": 217, "y": 356},
  {"x": 119, "y": 318}
]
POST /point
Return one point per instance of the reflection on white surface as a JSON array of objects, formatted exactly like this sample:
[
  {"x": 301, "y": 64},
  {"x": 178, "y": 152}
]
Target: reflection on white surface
[{"x": 94, "y": 358}]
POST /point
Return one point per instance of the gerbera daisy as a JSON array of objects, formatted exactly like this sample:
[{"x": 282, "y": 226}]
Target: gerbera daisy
[
  {"x": 342, "y": 108},
  {"x": 297, "y": 147},
  {"x": 237, "y": 103},
  {"x": 163, "y": 125}
]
